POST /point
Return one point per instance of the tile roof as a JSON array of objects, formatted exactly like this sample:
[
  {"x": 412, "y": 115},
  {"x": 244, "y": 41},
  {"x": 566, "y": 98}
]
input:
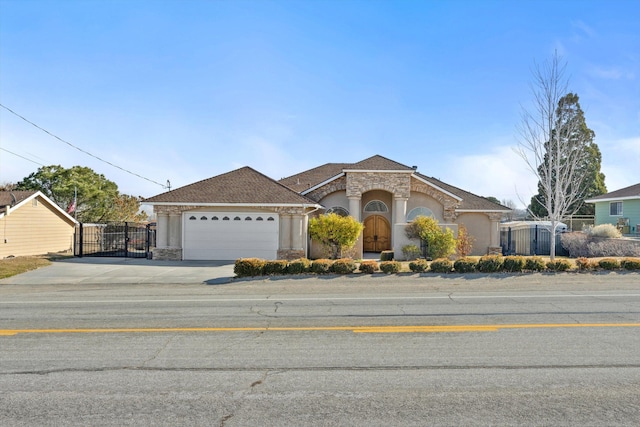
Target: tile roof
[
  {"x": 244, "y": 185},
  {"x": 12, "y": 198},
  {"x": 469, "y": 201},
  {"x": 627, "y": 192},
  {"x": 312, "y": 177}
]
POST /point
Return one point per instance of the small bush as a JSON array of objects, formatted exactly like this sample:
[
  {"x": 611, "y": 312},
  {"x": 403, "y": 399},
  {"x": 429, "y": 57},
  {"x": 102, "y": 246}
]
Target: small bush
[
  {"x": 321, "y": 266},
  {"x": 410, "y": 252},
  {"x": 369, "y": 267},
  {"x": 490, "y": 264},
  {"x": 275, "y": 267},
  {"x": 535, "y": 264},
  {"x": 465, "y": 265},
  {"x": 630, "y": 263},
  {"x": 609, "y": 264},
  {"x": 419, "y": 266},
  {"x": 386, "y": 256},
  {"x": 343, "y": 266},
  {"x": 604, "y": 230},
  {"x": 299, "y": 266},
  {"x": 390, "y": 267},
  {"x": 585, "y": 264},
  {"x": 513, "y": 264},
  {"x": 441, "y": 265},
  {"x": 558, "y": 265},
  {"x": 249, "y": 267}
]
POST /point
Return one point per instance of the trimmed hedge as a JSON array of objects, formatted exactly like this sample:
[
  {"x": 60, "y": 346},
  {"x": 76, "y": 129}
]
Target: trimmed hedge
[
  {"x": 609, "y": 264},
  {"x": 419, "y": 266},
  {"x": 535, "y": 264},
  {"x": 299, "y": 266},
  {"x": 490, "y": 264},
  {"x": 369, "y": 267},
  {"x": 321, "y": 266},
  {"x": 343, "y": 266},
  {"x": 390, "y": 267},
  {"x": 558, "y": 265},
  {"x": 275, "y": 267},
  {"x": 585, "y": 264},
  {"x": 513, "y": 263},
  {"x": 441, "y": 265},
  {"x": 630, "y": 263},
  {"x": 249, "y": 267},
  {"x": 386, "y": 256},
  {"x": 465, "y": 265}
]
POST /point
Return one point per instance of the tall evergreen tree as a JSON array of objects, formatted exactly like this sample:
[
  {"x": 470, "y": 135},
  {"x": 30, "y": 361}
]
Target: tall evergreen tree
[{"x": 569, "y": 115}]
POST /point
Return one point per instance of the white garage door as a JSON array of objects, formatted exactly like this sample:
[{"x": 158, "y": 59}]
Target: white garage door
[{"x": 229, "y": 236}]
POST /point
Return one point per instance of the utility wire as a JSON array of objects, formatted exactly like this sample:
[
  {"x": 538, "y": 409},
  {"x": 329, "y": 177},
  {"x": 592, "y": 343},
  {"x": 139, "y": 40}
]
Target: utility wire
[
  {"x": 15, "y": 154},
  {"x": 78, "y": 148}
]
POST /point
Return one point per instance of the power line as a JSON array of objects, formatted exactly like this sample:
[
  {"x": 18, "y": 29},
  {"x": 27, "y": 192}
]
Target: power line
[
  {"x": 78, "y": 148},
  {"x": 15, "y": 154}
]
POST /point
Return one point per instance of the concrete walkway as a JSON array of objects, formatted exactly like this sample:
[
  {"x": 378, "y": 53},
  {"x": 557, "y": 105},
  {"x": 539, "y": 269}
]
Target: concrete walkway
[{"x": 126, "y": 271}]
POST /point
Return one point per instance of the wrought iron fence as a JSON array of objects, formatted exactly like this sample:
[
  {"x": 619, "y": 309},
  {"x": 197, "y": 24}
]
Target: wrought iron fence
[
  {"x": 535, "y": 240},
  {"x": 121, "y": 239}
]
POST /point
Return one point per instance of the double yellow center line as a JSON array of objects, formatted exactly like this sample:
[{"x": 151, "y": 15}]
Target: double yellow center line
[{"x": 354, "y": 329}]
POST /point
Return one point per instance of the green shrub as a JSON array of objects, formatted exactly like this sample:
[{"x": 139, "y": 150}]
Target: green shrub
[
  {"x": 275, "y": 267},
  {"x": 321, "y": 266},
  {"x": 419, "y": 266},
  {"x": 369, "y": 267},
  {"x": 558, "y": 265},
  {"x": 609, "y": 264},
  {"x": 386, "y": 256},
  {"x": 299, "y": 266},
  {"x": 535, "y": 264},
  {"x": 343, "y": 266},
  {"x": 440, "y": 243},
  {"x": 410, "y": 252},
  {"x": 249, "y": 267},
  {"x": 441, "y": 265},
  {"x": 630, "y": 263},
  {"x": 513, "y": 264},
  {"x": 585, "y": 264},
  {"x": 490, "y": 264},
  {"x": 390, "y": 267},
  {"x": 336, "y": 233},
  {"x": 465, "y": 265}
]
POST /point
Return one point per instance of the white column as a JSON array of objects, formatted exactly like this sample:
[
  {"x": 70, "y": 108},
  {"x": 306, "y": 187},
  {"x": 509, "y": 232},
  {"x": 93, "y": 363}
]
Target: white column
[
  {"x": 296, "y": 233},
  {"x": 494, "y": 236},
  {"x": 285, "y": 232},
  {"x": 400, "y": 210},
  {"x": 174, "y": 230},
  {"x": 162, "y": 230},
  {"x": 354, "y": 207}
]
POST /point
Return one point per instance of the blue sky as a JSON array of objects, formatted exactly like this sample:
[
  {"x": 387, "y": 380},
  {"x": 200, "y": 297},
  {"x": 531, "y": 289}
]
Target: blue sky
[{"x": 186, "y": 90}]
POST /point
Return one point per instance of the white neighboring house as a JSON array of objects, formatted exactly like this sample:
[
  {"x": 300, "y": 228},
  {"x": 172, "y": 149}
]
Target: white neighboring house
[{"x": 32, "y": 224}]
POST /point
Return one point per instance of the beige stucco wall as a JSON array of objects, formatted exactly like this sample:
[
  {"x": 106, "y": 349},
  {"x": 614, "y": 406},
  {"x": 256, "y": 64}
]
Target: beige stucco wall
[
  {"x": 339, "y": 198},
  {"x": 35, "y": 229},
  {"x": 479, "y": 226},
  {"x": 417, "y": 200}
]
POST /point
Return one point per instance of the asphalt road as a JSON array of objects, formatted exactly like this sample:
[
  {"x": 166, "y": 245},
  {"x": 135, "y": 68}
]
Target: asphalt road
[{"x": 384, "y": 350}]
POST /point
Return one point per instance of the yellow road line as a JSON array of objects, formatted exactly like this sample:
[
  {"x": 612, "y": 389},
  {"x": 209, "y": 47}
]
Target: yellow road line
[{"x": 354, "y": 329}]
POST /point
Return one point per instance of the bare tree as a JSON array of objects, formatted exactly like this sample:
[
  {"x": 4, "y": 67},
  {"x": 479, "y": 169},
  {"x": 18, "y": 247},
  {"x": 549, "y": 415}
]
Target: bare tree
[{"x": 550, "y": 144}]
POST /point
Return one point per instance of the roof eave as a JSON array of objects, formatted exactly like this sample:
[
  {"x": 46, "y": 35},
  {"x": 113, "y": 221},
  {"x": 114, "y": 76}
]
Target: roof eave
[
  {"x": 448, "y": 193},
  {"x": 325, "y": 182},
  {"x": 613, "y": 199}
]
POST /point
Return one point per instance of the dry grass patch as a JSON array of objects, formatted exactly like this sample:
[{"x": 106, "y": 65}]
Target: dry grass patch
[{"x": 14, "y": 266}]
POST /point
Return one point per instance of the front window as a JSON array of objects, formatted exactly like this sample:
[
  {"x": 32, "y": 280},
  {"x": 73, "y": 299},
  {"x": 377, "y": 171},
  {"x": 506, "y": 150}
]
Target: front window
[
  {"x": 376, "y": 206},
  {"x": 419, "y": 211},
  {"x": 615, "y": 209},
  {"x": 338, "y": 210}
]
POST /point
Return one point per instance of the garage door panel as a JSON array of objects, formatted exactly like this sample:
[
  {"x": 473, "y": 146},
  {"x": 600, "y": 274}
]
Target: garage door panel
[{"x": 210, "y": 238}]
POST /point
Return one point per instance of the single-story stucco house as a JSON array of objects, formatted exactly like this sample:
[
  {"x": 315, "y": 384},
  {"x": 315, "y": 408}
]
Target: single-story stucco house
[
  {"x": 620, "y": 208},
  {"x": 32, "y": 224},
  {"x": 244, "y": 213}
]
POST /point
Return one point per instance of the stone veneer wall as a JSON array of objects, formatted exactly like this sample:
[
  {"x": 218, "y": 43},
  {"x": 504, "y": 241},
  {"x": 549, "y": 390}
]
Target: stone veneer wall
[
  {"x": 167, "y": 254},
  {"x": 447, "y": 201},
  {"x": 398, "y": 184},
  {"x": 337, "y": 185}
]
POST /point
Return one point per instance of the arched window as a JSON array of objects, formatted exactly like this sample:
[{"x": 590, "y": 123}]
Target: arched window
[
  {"x": 338, "y": 210},
  {"x": 419, "y": 211},
  {"x": 376, "y": 206}
]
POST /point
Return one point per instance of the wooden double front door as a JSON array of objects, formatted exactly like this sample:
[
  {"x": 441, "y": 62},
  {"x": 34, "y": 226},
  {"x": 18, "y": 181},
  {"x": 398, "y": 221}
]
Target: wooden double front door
[{"x": 376, "y": 234}]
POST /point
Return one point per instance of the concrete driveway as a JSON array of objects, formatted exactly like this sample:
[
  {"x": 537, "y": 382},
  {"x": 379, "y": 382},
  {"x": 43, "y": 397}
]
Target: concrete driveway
[{"x": 126, "y": 271}]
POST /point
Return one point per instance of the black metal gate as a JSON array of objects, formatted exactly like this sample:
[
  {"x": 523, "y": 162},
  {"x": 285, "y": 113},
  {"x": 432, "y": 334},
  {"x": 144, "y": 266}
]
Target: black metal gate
[
  {"x": 114, "y": 239},
  {"x": 530, "y": 241}
]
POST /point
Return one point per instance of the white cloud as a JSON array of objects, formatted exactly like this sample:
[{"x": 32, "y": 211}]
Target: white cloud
[{"x": 611, "y": 73}]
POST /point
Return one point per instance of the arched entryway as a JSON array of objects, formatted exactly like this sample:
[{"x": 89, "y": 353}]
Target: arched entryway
[{"x": 376, "y": 234}]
